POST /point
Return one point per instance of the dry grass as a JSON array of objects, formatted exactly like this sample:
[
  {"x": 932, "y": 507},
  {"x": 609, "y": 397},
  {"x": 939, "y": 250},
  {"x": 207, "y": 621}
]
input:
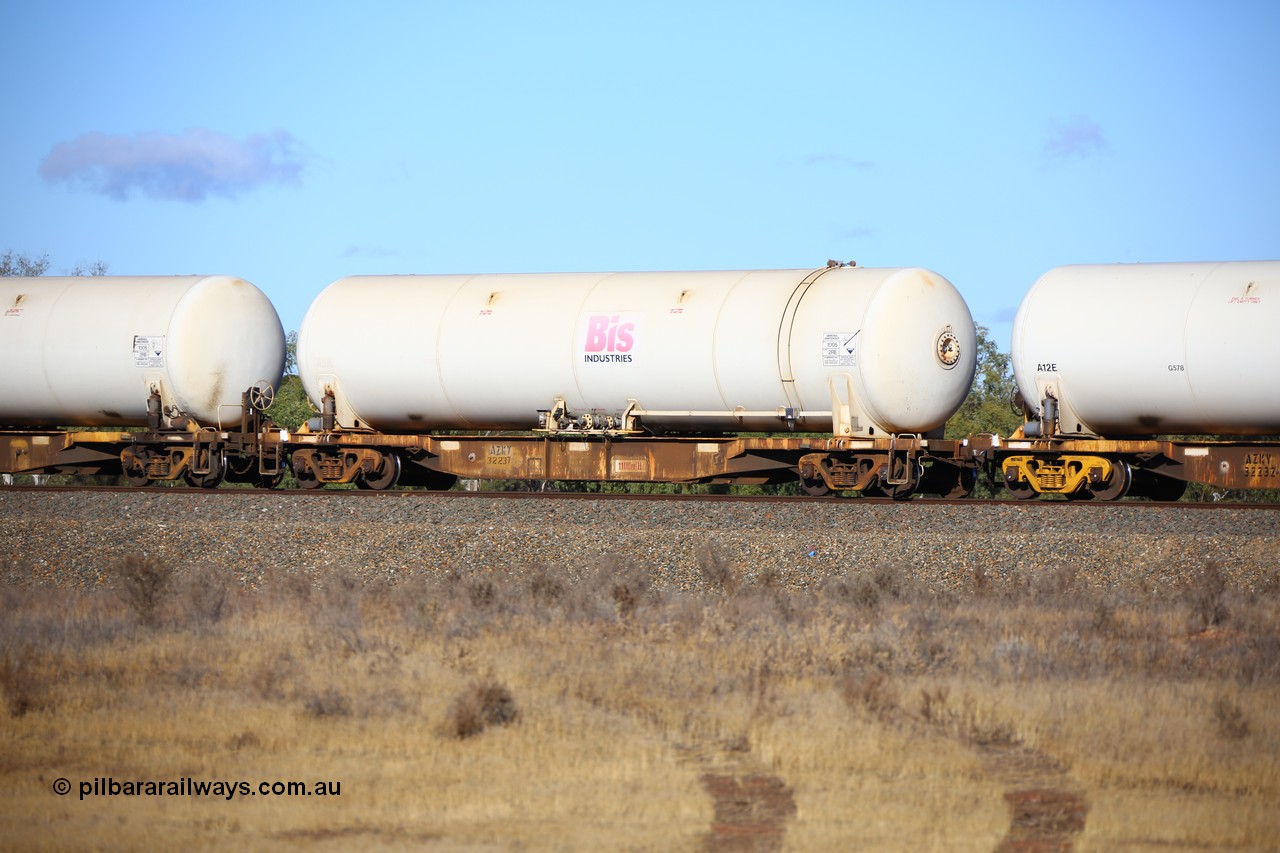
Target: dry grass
[{"x": 489, "y": 709}]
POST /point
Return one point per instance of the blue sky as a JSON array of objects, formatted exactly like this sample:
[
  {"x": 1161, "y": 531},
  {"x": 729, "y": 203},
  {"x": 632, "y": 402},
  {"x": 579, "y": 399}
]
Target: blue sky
[{"x": 294, "y": 143}]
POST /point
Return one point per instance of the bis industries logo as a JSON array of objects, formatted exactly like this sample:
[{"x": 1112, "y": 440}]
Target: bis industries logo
[{"x": 609, "y": 338}]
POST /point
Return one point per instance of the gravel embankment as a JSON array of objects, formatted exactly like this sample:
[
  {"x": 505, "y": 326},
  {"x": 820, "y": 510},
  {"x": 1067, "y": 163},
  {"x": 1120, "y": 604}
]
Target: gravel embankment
[{"x": 74, "y": 538}]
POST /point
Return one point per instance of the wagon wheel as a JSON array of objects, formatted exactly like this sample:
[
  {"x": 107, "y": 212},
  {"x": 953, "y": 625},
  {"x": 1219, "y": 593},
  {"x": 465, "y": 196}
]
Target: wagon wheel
[
  {"x": 216, "y": 474},
  {"x": 965, "y": 482},
  {"x": 386, "y": 477},
  {"x": 817, "y": 487},
  {"x": 1020, "y": 490},
  {"x": 809, "y": 473},
  {"x": 268, "y": 481},
  {"x": 897, "y": 470},
  {"x": 134, "y": 468},
  {"x": 261, "y": 396},
  {"x": 1118, "y": 485},
  {"x": 307, "y": 477},
  {"x": 309, "y": 480}
]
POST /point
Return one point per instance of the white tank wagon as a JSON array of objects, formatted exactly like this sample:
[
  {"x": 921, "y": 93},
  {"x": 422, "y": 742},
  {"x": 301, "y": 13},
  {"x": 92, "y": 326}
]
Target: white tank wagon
[
  {"x": 192, "y": 360},
  {"x": 841, "y": 350},
  {"x": 1106, "y": 356},
  {"x": 647, "y": 377},
  {"x": 93, "y": 351},
  {"x": 1152, "y": 349}
]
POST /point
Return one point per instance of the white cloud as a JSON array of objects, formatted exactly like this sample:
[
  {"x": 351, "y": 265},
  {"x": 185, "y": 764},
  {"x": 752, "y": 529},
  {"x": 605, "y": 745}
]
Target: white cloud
[
  {"x": 175, "y": 167},
  {"x": 1079, "y": 136},
  {"x": 365, "y": 250},
  {"x": 842, "y": 161}
]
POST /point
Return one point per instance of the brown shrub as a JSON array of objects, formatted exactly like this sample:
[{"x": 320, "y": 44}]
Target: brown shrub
[
  {"x": 1055, "y": 584},
  {"x": 205, "y": 594},
  {"x": 328, "y": 703},
  {"x": 294, "y": 589},
  {"x": 482, "y": 593},
  {"x": 718, "y": 570},
  {"x": 484, "y": 704},
  {"x": 632, "y": 586},
  {"x": 867, "y": 590},
  {"x": 870, "y": 691},
  {"x": 1205, "y": 592},
  {"x": 933, "y": 705},
  {"x": 545, "y": 590},
  {"x": 1230, "y": 719},
  {"x": 25, "y": 687},
  {"x": 246, "y": 739},
  {"x": 143, "y": 583},
  {"x": 267, "y": 677},
  {"x": 981, "y": 581}
]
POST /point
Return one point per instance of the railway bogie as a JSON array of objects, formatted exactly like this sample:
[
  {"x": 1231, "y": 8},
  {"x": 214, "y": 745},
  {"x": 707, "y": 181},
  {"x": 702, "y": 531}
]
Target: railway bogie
[
  {"x": 1153, "y": 468},
  {"x": 366, "y": 467}
]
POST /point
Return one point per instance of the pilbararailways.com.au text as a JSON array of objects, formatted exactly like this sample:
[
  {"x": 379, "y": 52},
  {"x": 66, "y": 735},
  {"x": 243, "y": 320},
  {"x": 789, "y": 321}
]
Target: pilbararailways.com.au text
[{"x": 106, "y": 786}]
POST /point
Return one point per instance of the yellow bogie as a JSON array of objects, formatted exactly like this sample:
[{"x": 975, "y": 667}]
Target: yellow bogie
[{"x": 1068, "y": 474}]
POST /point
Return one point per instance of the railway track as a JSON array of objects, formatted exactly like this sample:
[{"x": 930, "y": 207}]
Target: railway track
[{"x": 362, "y": 494}]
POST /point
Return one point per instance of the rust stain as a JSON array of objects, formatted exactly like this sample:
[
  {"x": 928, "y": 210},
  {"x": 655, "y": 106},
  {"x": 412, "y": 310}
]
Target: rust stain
[{"x": 215, "y": 394}]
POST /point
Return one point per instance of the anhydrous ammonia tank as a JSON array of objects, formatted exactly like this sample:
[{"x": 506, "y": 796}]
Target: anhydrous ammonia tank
[
  {"x": 760, "y": 350},
  {"x": 1153, "y": 349},
  {"x": 89, "y": 351}
]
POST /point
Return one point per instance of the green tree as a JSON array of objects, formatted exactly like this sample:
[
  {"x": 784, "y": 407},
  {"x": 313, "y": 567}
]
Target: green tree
[
  {"x": 95, "y": 268},
  {"x": 291, "y": 354},
  {"x": 291, "y": 408},
  {"x": 987, "y": 408},
  {"x": 21, "y": 265}
]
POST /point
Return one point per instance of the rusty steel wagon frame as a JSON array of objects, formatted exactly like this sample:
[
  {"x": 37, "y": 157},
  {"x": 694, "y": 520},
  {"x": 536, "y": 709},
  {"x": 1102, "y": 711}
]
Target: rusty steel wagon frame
[
  {"x": 258, "y": 452},
  {"x": 897, "y": 466}
]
